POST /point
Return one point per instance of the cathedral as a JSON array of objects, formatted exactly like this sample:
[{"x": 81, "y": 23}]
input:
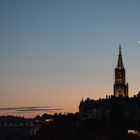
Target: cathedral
[
  {"x": 100, "y": 109},
  {"x": 120, "y": 85}
]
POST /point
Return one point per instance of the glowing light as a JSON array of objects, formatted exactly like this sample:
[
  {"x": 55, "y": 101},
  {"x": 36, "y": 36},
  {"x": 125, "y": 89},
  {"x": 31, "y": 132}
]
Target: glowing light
[
  {"x": 49, "y": 120},
  {"x": 135, "y": 132}
]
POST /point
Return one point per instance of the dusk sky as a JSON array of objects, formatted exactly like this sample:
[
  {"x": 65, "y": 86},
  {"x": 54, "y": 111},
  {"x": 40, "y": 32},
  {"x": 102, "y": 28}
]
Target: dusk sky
[{"x": 54, "y": 52}]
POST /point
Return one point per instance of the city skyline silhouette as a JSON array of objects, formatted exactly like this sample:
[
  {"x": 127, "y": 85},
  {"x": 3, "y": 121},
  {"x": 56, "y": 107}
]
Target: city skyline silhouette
[{"x": 53, "y": 53}]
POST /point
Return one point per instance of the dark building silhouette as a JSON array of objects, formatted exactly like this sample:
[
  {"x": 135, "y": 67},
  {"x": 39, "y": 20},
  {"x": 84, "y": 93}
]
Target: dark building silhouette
[
  {"x": 99, "y": 109},
  {"x": 120, "y": 85}
]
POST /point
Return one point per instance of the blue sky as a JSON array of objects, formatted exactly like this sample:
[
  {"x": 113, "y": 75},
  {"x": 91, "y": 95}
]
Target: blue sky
[{"x": 53, "y": 52}]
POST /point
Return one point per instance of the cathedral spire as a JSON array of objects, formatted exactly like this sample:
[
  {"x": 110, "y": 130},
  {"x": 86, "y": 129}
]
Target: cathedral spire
[
  {"x": 120, "y": 61},
  {"x": 120, "y": 85}
]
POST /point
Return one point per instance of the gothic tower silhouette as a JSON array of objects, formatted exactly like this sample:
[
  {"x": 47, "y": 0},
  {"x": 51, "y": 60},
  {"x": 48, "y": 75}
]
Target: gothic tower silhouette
[{"x": 120, "y": 85}]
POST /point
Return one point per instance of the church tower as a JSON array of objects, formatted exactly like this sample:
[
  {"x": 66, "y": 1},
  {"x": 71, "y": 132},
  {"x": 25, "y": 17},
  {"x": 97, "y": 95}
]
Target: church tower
[{"x": 120, "y": 85}]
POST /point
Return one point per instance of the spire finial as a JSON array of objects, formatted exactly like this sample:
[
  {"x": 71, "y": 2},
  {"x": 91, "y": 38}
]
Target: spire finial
[
  {"x": 120, "y": 61},
  {"x": 120, "y": 49}
]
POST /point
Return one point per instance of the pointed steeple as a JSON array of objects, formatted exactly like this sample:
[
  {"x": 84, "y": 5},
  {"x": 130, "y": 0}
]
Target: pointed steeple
[
  {"x": 120, "y": 85},
  {"x": 120, "y": 61}
]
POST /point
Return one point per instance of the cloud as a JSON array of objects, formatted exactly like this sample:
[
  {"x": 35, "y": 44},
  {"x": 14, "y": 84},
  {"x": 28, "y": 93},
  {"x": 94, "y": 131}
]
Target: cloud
[
  {"x": 31, "y": 109},
  {"x": 138, "y": 42}
]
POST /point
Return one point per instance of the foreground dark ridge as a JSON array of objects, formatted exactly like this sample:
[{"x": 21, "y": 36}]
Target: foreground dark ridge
[{"x": 115, "y": 118}]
